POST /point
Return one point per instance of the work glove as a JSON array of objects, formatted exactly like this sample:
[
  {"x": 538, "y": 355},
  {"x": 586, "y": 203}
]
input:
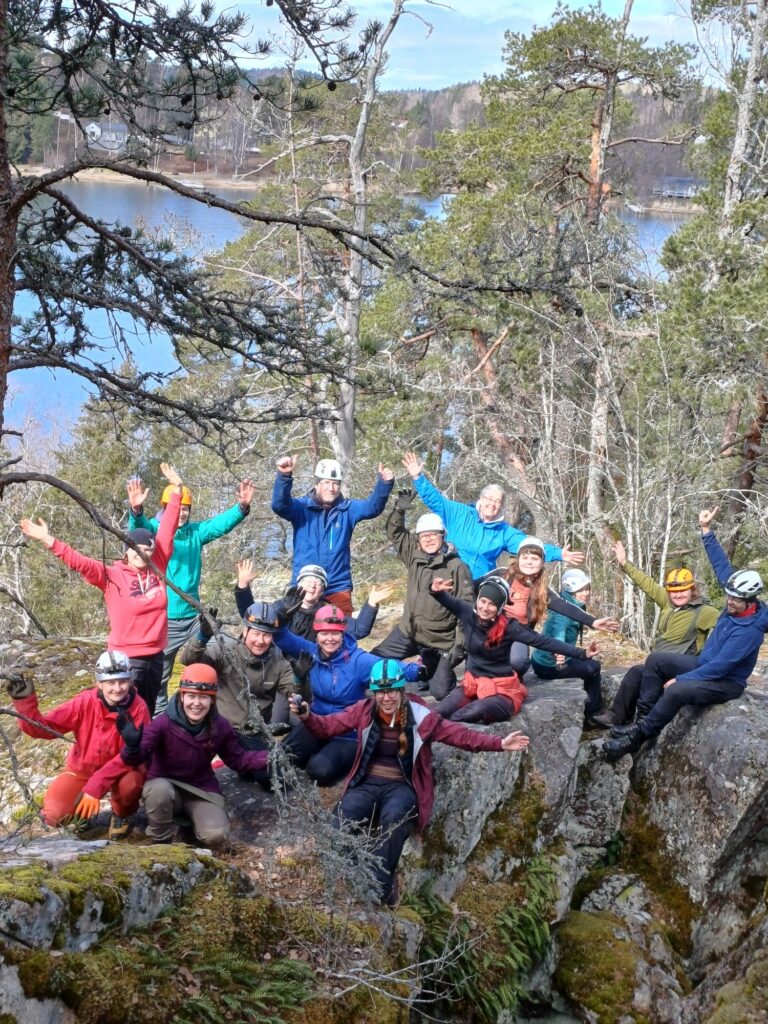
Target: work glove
[
  {"x": 423, "y": 674},
  {"x": 404, "y": 500},
  {"x": 209, "y": 624},
  {"x": 459, "y": 653},
  {"x": 291, "y": 602},
  {"x": 278, "y": 729},
  {"x": 18, "y": 685},
  {"x": 302, "y": 665},
  {"x": 130, "y": 733},
  {"x": 88, "y": 807}
]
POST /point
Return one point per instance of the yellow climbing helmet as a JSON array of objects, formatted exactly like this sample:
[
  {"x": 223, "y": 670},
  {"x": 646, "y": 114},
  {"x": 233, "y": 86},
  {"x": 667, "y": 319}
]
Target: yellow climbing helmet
[
  {"x": 186, "y": 497},
  {"x": 678, "y": 580}
]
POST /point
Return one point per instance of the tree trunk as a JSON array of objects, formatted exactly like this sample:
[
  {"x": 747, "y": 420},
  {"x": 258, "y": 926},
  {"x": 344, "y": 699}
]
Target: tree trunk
[
  {"x": 7, "y": 228},
  {"x": 751, "y": 452}
]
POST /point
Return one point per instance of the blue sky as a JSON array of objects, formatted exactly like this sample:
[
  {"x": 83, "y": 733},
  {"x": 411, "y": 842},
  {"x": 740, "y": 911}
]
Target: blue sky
[{"x": 467, "y": 36}]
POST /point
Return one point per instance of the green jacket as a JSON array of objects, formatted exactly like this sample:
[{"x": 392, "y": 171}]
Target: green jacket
[
  {"x": 424, "y": 620},
  {"x": 680, "y": 630},
  {"x": 186, "y": 564}
]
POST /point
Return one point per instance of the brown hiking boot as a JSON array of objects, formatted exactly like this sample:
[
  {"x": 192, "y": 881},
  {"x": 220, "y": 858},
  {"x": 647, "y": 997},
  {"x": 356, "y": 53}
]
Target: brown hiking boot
[
  {"x": 118, "y": 827},
  {"x": 605, "y": 719}
]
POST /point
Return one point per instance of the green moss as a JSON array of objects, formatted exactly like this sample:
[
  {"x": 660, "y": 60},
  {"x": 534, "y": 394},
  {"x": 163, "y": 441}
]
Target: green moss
[
  {"x": 745, "y": 999},
  {"x": 596, "y": 967},
  {"x": 514, "y": 827}
]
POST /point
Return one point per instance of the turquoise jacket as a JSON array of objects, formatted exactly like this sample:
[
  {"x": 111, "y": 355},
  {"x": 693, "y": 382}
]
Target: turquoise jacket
[
  {"x": 186, "y": 564},
  {"x": 559, "y": 627}
]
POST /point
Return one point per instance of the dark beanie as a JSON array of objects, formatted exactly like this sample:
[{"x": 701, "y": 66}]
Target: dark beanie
[
  {"x": 494, "y": 593},
  {"x": 143, "y": 537}
]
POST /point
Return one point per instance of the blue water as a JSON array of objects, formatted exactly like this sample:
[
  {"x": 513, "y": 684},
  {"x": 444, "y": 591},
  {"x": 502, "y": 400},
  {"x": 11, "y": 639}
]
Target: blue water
[{"x": 55, "y": 398}]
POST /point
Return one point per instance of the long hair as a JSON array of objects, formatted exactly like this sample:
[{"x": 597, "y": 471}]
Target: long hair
[
  {"x": 401, "y": 719},
  {"x": 497, "y": 630},
  {"x": 536, "y": 608}
]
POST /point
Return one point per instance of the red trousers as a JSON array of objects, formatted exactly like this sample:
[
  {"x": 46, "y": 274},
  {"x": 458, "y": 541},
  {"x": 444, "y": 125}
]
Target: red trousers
[
  {"x": 341, "y": 599},
  {"x": 62, "y": 796}
]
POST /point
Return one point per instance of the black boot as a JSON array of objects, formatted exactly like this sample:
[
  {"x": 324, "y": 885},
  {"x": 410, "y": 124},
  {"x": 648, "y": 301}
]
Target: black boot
[
  {"x": 629, "y": 743},
  {"x": 627, "y": 727}
]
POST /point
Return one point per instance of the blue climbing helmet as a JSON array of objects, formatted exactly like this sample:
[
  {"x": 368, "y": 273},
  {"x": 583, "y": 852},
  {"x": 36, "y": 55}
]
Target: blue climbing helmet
[
  {"x": 261, "y": 615},
  {"x": 387, "y": 674}
]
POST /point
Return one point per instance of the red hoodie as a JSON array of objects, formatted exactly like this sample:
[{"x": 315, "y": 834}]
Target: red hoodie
[{"x": 136, "y": 599}]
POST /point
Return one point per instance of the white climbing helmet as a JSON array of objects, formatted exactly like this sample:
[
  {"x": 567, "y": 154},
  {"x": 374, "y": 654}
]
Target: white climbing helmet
[
  {"x": 113, "y": 665},
  {"x": 746, "y": 584},
  {"x": 575, "y": 580},
  {"x": 534, "y": 543},
  {"x": 430, "y": 522},
  {"x": 328, "y": 469}
]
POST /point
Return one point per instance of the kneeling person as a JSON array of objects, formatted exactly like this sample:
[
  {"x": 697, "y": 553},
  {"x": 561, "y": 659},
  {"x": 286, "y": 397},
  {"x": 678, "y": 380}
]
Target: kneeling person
[
  {"x": 391, "y": 780},
  {"x": 93, "y": 716},
  {"x": 179, "y": 745}
]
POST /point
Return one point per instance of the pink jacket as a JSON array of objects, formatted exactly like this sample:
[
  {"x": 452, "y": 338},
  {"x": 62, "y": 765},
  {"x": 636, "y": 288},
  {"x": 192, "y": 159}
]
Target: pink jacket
[
  {"x": 97, "y": 740},
  {"x": 136, "y": 599},
  {"x": 427, "y": 727}
]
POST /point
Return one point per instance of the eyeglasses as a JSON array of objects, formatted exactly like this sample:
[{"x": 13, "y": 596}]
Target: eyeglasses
[{"x": 431, "y": 535}]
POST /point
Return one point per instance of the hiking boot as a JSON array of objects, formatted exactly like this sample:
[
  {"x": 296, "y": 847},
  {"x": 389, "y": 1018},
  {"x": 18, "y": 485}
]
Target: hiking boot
[
  {"x": 604, "y": 719},
  {"x": 118, "y": 827},
  {"x": 593, "y": 722},
  {"x": 625, "y": 728},
  {"x": 629, "y": 743}
]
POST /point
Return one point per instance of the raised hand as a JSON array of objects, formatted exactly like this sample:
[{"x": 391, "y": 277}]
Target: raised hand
[
  {"x": 380, "y": 592},
  {"x": 37, "y": 531},
  {"x": 18, "y": 685},
  {"x": 405, "y": 498},
  {"x": 514, "y": 741},
  {"x": 706, "y": 515},
  {"x": 291, "y": 602},
  {"x": 245, "y": 491},
  {"x": 245, "y": 573},
  {"x": 137, "y": 492},
  {"x": 572, "y": 557},
  {"x": 170, "y": 474},
  {"x": 385, "y": 473},
  {"x": 130, "y": 733},
  {"x": 438, "y": 584},
  {"x": 619, "y": 552},
  {"x": 286, "y": 464},
  {"x": 606, "y": 625},
  {"x": 209, "y": 623},
  {"x": 413, "y": 464}
]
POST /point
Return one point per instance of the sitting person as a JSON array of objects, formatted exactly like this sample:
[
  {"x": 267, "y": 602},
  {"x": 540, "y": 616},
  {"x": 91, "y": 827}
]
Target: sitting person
[
  {"x": 338, "y": 677},
  {"x": 530, "y": 597},
  {"x": 93, "y": 717},
  {"x": 135, "y": 596},
  {"x": 575, "y": 589},
  {"x": 685, "y": 622},
  {"x": 480, "y": 531},
  {"x": 255, "y": 680},
  {"x": 719, "y": 674},
  {"x": 179, "y": 745},
  {"x": 311, "y": 582},
  {"x": 490, "y": 691},
  {"x": 390, "y": 779},
  {"x": 426, "y": 628}
]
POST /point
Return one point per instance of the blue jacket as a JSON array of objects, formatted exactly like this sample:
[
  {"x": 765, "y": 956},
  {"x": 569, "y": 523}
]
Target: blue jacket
[
  {"x": 340, "y": 680},
  {"x": 559, "y": 627},
  {"x": 731, "y": 650},
  {"x": 322, "y": 536},
  {"x": 479, "y": 544},
  {"x": 186, "y": 564}
]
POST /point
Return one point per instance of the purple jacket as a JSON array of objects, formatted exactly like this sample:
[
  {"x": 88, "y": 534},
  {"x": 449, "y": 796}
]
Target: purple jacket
[{"x": 174, "y": 753}]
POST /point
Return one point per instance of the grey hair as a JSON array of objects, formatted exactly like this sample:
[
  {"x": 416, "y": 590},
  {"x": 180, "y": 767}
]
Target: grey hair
[{"x": 493, "y": 487}]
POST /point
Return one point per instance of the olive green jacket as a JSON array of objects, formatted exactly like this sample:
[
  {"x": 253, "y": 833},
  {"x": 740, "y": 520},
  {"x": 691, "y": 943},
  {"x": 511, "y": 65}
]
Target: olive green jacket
[{"x": 680, "y": 630}]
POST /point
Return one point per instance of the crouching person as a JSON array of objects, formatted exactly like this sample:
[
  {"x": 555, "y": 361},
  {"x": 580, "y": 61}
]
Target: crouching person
[
  {"x": 390, "y": 784},
  {"x": 179, "y": 745},
  {"x": 93, "y": 716}
]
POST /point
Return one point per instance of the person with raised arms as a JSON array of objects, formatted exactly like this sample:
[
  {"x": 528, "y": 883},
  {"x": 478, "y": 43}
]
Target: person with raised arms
[
  {"x": 134, "y": 594},
  {"x": 323, "y": 521},
  {"x": 671, "y": 681},
  {"x": 186, "y": 564},
  {"x": 479, "y": 532},
  {"x": 390, "y": 782}
]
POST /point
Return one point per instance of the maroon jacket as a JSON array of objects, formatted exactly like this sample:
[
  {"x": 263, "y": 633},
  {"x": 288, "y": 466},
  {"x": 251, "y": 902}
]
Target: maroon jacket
[{"x": 428, "y": 728}]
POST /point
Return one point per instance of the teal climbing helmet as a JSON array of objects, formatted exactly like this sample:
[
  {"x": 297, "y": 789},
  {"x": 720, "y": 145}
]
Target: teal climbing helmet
[{"x": 387, "y": 674}]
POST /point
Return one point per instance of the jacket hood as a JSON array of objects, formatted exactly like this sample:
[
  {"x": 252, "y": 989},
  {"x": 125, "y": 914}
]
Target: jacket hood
[
  {"x": 174, "y": 712},
  {"x": 348, "y": 645}
]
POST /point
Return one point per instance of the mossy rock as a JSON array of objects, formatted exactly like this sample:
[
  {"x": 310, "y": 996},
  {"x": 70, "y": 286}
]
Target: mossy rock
[
  {"x": 746, "y": 999},
  {"x": 596, "y": 965}
]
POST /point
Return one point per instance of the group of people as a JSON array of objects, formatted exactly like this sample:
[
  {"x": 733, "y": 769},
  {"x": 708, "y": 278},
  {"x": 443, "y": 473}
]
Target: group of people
[{"x": 296, "y": 669}]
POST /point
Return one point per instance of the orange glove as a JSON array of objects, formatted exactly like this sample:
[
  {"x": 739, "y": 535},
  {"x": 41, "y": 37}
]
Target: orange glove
[{"x": 88, "y": 807}]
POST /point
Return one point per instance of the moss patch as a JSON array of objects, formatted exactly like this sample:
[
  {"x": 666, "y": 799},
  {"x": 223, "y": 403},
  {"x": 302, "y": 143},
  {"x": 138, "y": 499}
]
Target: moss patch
[
  {"x": 514, "y": 826},
  {"x": 596, "y": 966},
  {"x": 746, "y": 999}
]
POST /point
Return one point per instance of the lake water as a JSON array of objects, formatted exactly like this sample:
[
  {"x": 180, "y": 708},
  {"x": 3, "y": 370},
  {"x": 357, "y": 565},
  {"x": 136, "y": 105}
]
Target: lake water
[{"x": 57, "y": 398}]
